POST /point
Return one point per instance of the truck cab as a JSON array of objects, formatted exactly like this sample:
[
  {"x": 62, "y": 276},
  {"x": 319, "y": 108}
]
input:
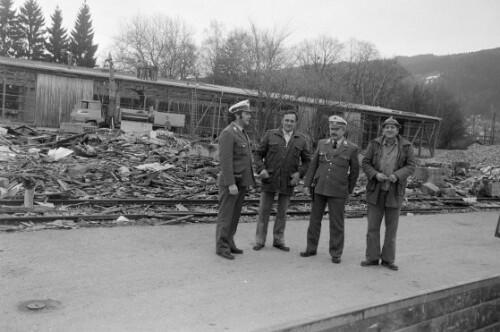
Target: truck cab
[{"x": 88, "y": 111}]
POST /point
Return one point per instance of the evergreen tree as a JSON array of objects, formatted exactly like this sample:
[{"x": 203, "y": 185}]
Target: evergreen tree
[
  {"x": 58, "y": 42},
  {"x": 82, "y": 38},
  {"x": 31, "y": 27},
  {"x": 9, "y": 30}
]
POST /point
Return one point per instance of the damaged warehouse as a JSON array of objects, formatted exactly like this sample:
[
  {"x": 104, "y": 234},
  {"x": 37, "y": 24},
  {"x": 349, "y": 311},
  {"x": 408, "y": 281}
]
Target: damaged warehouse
[{"x": 45, "y": 94}]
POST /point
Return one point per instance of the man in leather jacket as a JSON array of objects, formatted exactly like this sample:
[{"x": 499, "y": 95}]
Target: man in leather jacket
[
  {"x": 281, "y": 159},
  {"x": 388, "y": 161}
]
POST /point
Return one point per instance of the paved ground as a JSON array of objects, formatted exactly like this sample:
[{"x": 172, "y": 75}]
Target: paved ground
[{"x": 167, "y": 278}]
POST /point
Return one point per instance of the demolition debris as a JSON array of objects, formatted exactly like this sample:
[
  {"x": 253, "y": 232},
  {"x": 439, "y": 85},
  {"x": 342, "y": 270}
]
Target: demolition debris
[{"x": 40, "y": 167}]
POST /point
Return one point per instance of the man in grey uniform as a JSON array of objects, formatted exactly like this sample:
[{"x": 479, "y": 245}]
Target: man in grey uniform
[
  {"x": 236, "y": 175},
  {"x": 332, "y": 175}
]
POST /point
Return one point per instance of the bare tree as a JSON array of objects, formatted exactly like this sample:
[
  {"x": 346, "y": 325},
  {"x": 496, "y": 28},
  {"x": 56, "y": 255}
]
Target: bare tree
[
  {"x": 435, "y": 100},
  {"x": 359, "y": 56},
  {"x": 384, "y": 78},
  {"x": 226, "y": 57},
  {"x": 253, "y": 59},
  {"x": 267, "y": 71},
  {"x": 210, "y": 51},
  {"x": 317, "y": 61},
  {"x": 159, "y": 42},
  {"x": 320, "y": 55}
]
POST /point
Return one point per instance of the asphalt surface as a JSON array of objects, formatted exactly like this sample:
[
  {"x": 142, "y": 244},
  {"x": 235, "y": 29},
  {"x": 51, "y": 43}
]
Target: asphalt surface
[{"x": 168, "y": 278}]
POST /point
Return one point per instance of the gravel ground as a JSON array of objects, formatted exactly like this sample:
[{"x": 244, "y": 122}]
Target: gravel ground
[{"x": 168, "y": 278}]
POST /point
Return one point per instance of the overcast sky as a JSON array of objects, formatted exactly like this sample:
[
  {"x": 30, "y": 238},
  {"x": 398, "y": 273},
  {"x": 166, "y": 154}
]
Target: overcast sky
[{"x": 395, "y": 27}]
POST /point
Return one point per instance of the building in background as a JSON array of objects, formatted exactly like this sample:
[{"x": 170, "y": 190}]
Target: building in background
[{"x": 44, "y": 94}]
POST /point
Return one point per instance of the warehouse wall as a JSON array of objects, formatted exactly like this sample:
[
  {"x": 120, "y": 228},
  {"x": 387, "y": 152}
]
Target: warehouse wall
[{"x": 56, "y": 97}]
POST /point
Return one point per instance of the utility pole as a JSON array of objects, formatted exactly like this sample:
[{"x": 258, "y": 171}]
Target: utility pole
[
  {"x": 113, "y": 116},
  {"x": 493, "y": 127},
  {"x": 194, "y": 108}
]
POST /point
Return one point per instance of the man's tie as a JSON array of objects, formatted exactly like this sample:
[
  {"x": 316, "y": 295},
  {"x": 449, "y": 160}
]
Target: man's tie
[{"x": 334, "y": 145}]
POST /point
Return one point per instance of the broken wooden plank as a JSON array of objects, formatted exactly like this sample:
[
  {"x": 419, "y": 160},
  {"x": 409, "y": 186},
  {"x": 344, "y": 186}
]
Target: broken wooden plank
[{"x": 175, "y": 220}]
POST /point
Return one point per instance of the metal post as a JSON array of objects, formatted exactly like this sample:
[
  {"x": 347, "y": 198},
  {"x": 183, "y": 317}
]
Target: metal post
[
  {"x": 191, "y": 116},
  {"x": 421, "y": 137},
  {"x": 112, "y": 113},
  {"x": 484, "y": 136},
  {"x": 4, "y": 90},
  {"x": 493, "y": 128},
  {"x": 218, "y": 117},
  {"x": 194, "y": 108}
]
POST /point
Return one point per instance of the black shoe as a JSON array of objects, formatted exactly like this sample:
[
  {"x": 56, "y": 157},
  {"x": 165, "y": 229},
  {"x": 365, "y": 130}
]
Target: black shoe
[
  {"x": 391, "y": 266},
  {"x": 258, "y": 246},
  {"x": 336, "y": 260},
  {"x": 369, "y": 263},
  {"x": 236, "y": 251},
  {"x": 226, "y": 255},
  {"x": 281, "y": 247},
  {"x": 307, "y": 253}
]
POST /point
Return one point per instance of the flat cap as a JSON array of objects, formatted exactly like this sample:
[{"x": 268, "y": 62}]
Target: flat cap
[
  {"x": 392, "y": 121},
  {"x": 240, "y": 107},
  {"x": 337, "y": 120}
]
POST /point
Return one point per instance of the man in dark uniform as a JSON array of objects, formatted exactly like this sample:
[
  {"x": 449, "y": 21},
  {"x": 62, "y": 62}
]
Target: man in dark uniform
[
  {"x": 389, "y": 160},
  {"x": 236, "y": 175},
  {"x": 332, "y": 175},
  {"x": 281, "y": 159}
]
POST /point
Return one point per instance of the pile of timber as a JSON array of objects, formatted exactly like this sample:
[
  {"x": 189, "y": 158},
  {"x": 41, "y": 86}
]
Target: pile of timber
[{"x": 106, "y": 164}]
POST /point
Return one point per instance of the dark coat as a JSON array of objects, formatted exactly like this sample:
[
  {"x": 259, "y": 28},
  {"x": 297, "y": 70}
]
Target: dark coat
[
  {"x": 235, "y": 158},
  {"x": 405, "y": 166},
  {"x": 334, "y": 172},
  {"x": 281, "y": 160}
]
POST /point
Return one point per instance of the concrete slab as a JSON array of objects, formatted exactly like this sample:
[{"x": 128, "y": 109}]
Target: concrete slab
[
  {"x": 168, "y": 278},
  {"x": 136, "y": 127}
]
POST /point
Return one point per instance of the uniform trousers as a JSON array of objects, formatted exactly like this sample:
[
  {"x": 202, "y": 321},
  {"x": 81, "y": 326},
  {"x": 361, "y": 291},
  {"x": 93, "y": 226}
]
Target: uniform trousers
[
  {"x": 228, "y": 217},
  {"x": 375, "y": 214},
  {"x": 265, "y": 206},
  {"x": 336, "y": 208}
]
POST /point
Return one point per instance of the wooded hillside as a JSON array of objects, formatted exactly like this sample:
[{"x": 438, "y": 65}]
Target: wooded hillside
[{"x": 474, "y": 78}]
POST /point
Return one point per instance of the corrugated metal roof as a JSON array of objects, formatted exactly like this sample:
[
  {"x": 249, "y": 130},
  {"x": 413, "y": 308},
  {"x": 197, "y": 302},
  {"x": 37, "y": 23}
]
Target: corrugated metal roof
[{"x": 104, "y": 73}]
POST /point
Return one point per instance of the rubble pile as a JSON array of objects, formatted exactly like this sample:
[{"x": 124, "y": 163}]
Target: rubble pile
[
  {"x": 106, "y": 164},
  {"x": 111, "y": 164},
  {"x": 471, "y": 172},
  {"x": 477, "y": 155}
]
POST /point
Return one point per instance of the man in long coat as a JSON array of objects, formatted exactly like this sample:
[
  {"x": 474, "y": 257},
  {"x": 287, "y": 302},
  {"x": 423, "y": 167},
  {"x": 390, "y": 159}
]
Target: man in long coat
[{"x": 235, "y": 177}]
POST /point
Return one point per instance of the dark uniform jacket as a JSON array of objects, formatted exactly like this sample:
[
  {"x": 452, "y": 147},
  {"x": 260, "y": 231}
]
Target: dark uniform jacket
[
  {"x": 333, "y": 172},
  {"x": 281, "y": 160},
  {"x": 405, "y": 166},
  {"x": 235, "y": 158}
]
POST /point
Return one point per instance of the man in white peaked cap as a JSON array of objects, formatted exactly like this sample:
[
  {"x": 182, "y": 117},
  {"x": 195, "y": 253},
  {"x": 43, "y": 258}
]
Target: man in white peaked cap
[
  {"x": 236, "y": 175},
  {"x": 330, "y": 179}
]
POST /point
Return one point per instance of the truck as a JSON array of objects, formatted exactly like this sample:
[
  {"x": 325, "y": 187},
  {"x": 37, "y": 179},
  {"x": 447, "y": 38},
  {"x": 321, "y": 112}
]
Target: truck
[
  {"x": 88, "y": 114},
  {"x": 94, "y": 113}
]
